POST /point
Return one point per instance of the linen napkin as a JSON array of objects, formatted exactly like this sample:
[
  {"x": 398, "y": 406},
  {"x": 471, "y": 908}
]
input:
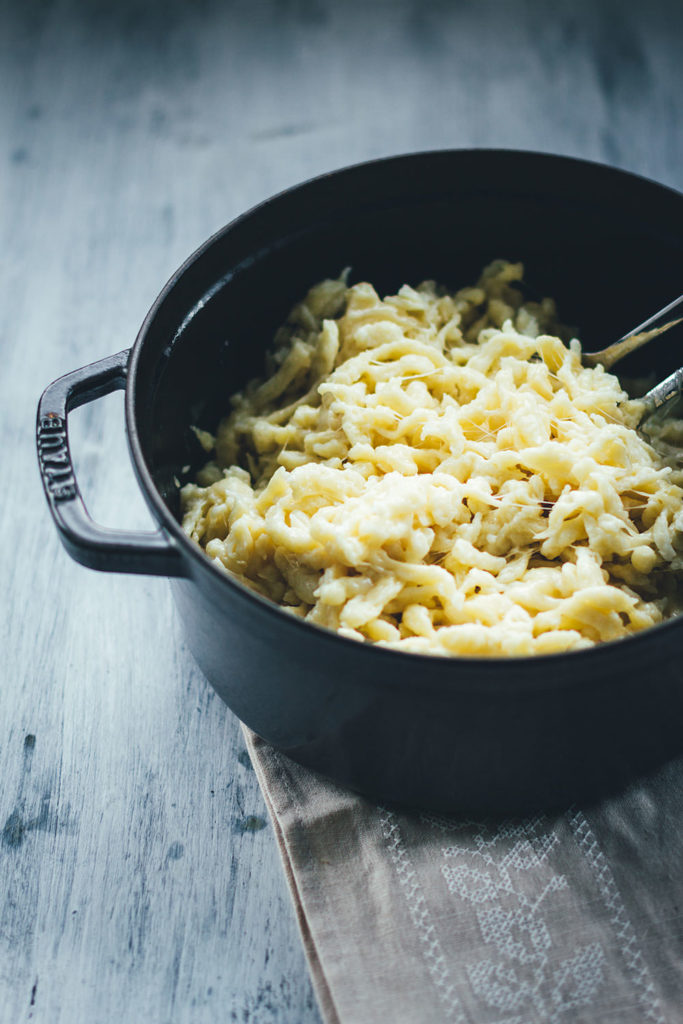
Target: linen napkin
[{"x": 422, "y": 918}]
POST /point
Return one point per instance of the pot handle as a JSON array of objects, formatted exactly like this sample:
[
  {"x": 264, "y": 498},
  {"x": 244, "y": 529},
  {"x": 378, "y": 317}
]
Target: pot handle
[{"x": 98, "y": 547}]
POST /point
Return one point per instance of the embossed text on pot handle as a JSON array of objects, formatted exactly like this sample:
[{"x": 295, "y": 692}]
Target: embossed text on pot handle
[{"x": 95, "y": 546}]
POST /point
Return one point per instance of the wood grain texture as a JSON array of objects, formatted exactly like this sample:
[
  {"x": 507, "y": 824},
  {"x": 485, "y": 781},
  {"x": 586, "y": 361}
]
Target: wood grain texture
[{"x": 137, "y": 879}]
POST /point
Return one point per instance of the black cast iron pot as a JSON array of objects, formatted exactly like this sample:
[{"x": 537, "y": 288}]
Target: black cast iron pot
[{"x": 454, "y": 734}]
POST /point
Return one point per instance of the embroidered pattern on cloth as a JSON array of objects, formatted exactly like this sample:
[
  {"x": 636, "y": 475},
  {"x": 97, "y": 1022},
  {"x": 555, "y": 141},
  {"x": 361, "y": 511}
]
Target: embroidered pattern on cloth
[
  {"x": 418, "y": 908},
  {"x": 507, "y": 878},
  {"x": 619, "y": 919}
]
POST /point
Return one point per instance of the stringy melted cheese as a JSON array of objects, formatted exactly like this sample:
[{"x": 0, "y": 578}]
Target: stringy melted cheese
[{"x": 435, "y": 473}]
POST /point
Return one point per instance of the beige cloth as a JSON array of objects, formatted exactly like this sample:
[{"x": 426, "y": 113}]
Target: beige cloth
[{"x": 422, "y": 919}]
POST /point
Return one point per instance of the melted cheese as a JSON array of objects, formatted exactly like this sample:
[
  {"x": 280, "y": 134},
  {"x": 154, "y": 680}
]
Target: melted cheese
[{"x": 439, "y": 473}]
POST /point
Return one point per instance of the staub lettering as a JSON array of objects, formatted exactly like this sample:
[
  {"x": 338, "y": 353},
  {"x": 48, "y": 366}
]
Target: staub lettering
[{"x": 53, "y": 453}]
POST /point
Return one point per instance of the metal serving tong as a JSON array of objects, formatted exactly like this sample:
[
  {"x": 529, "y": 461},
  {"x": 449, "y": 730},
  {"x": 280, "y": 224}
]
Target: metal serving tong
[
  {"x": 640, "y": 335},
  {"x": 663, "y": 393},
  {"x": 658, "y": 397}
]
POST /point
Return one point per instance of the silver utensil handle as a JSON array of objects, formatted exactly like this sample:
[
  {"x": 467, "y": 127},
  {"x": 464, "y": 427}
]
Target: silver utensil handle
[
  {"x": 658, "y": 319},
  {"x": 664, "y": 392}
]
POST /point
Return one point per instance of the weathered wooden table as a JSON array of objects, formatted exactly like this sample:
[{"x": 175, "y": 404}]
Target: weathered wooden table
[{"x": 139, "y": 880}]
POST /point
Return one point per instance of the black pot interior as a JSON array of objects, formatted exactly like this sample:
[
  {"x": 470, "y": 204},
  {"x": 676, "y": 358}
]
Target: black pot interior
[{"x": 606, "y": 245}]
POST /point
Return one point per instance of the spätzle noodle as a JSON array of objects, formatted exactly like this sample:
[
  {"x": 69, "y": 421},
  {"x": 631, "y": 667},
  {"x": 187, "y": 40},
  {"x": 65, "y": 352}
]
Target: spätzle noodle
[{"x": 438, "y": 473}]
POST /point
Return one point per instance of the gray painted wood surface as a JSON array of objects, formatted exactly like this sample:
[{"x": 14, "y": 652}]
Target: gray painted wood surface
[{"x": 138, "y": 878}]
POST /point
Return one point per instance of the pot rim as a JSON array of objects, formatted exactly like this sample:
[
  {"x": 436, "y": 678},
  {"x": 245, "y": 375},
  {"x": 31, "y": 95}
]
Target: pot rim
[{"x": 538, "y": 669}]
